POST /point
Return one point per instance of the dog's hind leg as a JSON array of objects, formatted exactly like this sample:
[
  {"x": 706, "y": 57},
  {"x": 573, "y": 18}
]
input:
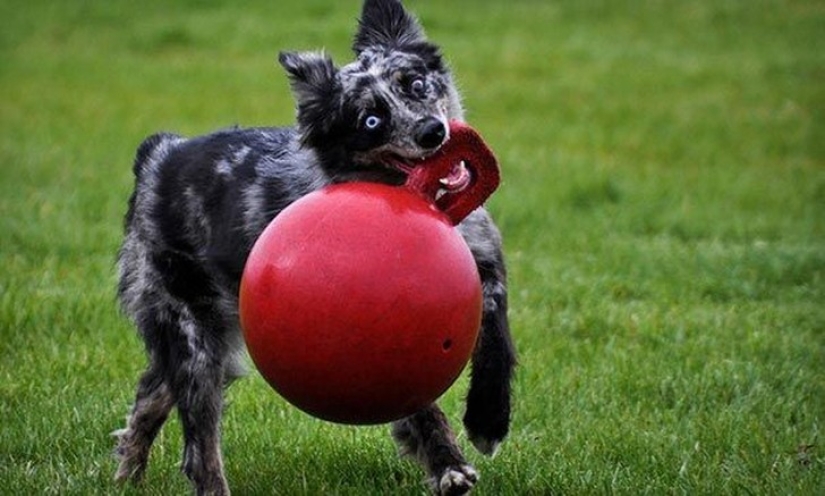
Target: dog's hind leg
[
  {"x": 197, "y": 383},
  {"x": 153, "y": 403},
  {"x": 427, "y": 437}
]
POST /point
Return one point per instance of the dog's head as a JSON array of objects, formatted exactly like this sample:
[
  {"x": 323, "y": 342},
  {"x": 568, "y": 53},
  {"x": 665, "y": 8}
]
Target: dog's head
[{"x": 375, "y": 117}]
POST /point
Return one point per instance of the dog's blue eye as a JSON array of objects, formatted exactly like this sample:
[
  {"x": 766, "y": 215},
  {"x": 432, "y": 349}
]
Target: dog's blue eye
[{"x": 372, "y": 122}]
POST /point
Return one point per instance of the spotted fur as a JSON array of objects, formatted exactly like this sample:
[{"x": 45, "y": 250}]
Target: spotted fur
[{"x": 199, "y": 204}]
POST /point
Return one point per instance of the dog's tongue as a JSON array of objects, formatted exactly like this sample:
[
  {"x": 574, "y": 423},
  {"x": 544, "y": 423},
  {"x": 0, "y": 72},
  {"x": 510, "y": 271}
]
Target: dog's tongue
[
  {"x": 458, "y": 179},
  {"x": 460, "y": 176}
]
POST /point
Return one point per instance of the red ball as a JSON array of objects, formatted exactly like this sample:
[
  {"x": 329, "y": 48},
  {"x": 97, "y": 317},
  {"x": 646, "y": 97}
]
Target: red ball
[{"x": 361, "y": 303}]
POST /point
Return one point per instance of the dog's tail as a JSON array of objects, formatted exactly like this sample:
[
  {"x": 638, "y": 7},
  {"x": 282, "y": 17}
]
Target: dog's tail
[
  {"x": 154, "y": 150},
  {"x": 150, "y": 154}
]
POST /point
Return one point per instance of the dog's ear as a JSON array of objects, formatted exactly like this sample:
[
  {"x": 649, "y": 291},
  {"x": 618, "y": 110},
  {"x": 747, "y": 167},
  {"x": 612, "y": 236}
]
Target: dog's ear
[
  {"x": 314, "y": 81},
  {"x": 385, "y": 23},
  {"x": 311, "y": 74}
]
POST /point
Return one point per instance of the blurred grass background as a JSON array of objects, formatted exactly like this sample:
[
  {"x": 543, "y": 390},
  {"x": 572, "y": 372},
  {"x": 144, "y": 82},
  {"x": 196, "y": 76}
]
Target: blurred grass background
[{"x": 663, "y": 208}]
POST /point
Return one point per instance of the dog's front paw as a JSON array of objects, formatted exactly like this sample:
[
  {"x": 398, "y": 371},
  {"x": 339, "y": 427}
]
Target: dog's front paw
[
  {"x": 455, "y": 480},
  {"x": 485, "y": 445},
  {"x": 487, "y": 421}
]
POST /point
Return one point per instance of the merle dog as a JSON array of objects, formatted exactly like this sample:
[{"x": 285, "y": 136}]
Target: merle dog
[{"x": 200, "y": 203}]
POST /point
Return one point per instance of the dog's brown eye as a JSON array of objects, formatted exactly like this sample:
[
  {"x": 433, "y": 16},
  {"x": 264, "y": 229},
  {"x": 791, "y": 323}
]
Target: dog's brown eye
[{"x": 417, "y": 86}]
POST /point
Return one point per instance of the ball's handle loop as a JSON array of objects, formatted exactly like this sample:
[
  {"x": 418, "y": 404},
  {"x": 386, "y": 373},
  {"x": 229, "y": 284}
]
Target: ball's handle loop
[{"x": 464, "y": 153}]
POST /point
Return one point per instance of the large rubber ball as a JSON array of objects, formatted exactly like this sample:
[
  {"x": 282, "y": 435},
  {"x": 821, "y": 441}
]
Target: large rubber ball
[{"x": 361, "y": 303}]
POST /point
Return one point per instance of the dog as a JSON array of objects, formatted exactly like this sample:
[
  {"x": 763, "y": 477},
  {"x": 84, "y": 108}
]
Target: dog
[{"x": 199, "y": 204}]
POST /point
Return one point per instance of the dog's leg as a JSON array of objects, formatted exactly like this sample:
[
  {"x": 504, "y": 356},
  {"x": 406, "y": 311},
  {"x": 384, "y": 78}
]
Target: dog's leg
[
  {"x": 487, "y": 417},
  {"x": 152, "y": 405},
  {"x": 427, "y": 437},
  {"x": 197, "y": 384}
]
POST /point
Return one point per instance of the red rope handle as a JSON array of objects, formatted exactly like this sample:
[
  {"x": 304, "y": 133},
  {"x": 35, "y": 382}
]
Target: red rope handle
[{"x": 465, "y": 145}]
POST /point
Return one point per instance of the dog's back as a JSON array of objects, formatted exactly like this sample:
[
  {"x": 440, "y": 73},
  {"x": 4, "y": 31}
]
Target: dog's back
[{"x": 202, "y": 202}]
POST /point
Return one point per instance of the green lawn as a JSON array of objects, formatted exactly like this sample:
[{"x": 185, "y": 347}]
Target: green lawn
[{"x": 663, "y": 206}]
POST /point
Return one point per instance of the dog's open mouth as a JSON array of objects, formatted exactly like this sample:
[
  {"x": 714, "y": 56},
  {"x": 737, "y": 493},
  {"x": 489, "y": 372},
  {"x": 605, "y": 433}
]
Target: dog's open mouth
[{"x": 458, "y": 179}]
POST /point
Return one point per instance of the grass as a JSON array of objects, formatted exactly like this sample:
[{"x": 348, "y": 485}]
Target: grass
[{"x": 663, "y": 207}]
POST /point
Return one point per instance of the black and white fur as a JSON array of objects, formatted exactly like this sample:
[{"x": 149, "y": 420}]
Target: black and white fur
[{"x": 200, "y": 203}]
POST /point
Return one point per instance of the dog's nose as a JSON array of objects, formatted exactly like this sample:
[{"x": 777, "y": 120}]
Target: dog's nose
[{"x": 431, "y": 133}]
